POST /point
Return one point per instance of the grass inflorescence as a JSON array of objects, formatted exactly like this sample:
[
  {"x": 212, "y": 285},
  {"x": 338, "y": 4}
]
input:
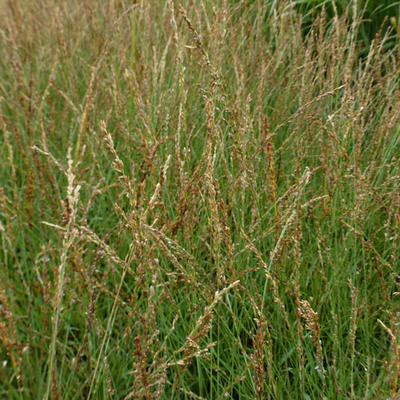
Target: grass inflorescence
[{"x": 198, "y": 200}]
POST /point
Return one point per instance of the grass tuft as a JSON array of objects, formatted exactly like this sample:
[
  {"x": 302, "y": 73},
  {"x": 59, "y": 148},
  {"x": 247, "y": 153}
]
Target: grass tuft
[{"x": 198, "y": 200}]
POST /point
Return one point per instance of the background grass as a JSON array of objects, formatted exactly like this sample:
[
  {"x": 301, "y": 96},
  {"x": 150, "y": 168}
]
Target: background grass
[
  {"x": 208, "y": 207},
  {"x": 378, "y": 17}
]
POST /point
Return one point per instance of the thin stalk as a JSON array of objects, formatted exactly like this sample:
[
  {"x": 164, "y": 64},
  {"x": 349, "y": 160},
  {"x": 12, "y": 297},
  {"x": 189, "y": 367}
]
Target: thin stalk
[{"x": 57, "y": 309}]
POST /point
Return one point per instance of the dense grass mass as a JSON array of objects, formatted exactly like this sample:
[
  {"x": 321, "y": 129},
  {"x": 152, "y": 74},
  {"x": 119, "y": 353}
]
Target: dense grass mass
[
  {"x": 198, "y": 200},
  {"x": 378, "y": 17}
]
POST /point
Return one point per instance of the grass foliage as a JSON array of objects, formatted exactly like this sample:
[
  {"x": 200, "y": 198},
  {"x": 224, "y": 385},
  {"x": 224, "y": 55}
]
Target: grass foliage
[
  {"x": 378, "y": 17},
  {"x": 197, "y": 202}
]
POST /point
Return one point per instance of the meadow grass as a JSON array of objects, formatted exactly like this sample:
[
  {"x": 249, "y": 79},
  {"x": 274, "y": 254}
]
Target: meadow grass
[{"x": 197, "y": 201}]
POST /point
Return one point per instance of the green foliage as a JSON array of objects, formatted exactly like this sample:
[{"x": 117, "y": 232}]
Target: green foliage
[
  {"x": 191, "y": 211},
  {"x": 373, "y": 16}
]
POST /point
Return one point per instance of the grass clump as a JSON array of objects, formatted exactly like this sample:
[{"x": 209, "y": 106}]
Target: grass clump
[
  {"x": 378, "y": 17},
  {"x": 196, "y": 202}
]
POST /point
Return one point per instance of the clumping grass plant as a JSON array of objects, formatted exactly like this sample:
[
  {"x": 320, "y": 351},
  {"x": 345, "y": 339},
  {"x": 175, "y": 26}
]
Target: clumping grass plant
[
  {"x": 377, "y": 17},
  {"x": 197, "y": 201}
]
